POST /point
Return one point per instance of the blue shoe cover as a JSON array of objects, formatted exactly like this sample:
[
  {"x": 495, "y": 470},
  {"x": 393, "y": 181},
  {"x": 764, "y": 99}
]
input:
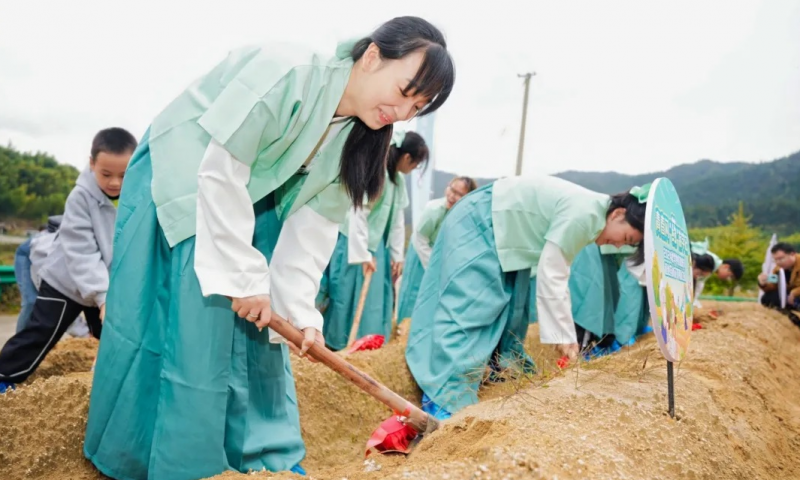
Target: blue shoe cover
[{"x": 430, "y": 407}]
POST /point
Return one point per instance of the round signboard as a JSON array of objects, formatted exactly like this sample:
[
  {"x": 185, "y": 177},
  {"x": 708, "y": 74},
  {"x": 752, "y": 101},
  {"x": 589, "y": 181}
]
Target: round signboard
[
  {"x": 782, "y": 288},
  {"x": 668, "y": 262}
]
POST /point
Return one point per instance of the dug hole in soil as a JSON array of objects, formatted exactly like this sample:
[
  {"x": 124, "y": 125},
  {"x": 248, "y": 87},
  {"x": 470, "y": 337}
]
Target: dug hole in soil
[{"x": 738, "y": 414}]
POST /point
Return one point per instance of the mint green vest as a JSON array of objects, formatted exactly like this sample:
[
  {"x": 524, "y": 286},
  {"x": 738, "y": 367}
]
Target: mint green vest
[
  {"x": 612, "y": 250},
  {"x": 529, "y": 211},
  {"x": 392, "y": 201},
  {"x": 432, "y": 218},
  {"x": 269, "y": 107}
]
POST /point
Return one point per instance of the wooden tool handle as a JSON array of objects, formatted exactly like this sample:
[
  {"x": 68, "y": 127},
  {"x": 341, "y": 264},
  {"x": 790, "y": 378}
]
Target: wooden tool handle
[
  {"x": 419, "y": 420},
  {"x": 396, "y": 305},
  {"x": 359, "y": 309}
]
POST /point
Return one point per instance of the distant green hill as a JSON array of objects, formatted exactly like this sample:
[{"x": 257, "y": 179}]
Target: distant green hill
[
  {"x": 34, "y": 185},
  {"x": 710, "y": 191}
]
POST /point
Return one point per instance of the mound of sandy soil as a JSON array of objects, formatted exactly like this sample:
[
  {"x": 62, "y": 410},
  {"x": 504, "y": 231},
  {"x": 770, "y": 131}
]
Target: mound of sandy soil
[
  {"x": 738, "y": 415},
  {"x": 70, "y": 355},
  {"x": 42, "y": 429},
  {"x": 338, "y": 418}
]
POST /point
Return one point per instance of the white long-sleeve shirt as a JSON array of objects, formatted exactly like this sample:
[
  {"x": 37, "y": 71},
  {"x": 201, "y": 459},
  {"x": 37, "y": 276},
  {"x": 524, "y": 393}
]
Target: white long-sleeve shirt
[
  {"x": 698, "y": 290},
  {"x": 637, "y": 271},
  {"x": 228, "y": 264},
  {"x": 358, "y": 236},
  {"x": 397, "y": 237},
  {"x": 554, "y": 306}
]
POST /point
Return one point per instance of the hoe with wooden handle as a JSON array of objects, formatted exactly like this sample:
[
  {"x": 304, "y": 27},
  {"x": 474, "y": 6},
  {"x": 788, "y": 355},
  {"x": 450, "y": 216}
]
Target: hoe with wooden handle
[{"x": 415, "y": 418}]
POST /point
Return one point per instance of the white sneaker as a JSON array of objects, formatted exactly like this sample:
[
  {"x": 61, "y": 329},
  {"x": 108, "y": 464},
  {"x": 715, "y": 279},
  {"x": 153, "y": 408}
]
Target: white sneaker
[{"x": 79, "y": 328}]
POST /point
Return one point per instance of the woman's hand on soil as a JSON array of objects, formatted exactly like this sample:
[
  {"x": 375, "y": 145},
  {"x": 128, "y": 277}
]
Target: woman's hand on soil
[
  {"x": 255, "y": 309},
  {"x": 569, "y": 350}
]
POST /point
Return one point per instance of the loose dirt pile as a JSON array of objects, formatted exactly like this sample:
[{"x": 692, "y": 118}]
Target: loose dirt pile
[
  {"x": 71, "y": 355},
  {"x": 337, "y": 418},
  {"x": 736, "y": 396},
  {"x": 42, "y": 429}
]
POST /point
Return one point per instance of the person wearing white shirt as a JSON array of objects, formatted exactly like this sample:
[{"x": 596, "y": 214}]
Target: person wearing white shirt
[
  {"x": 608, "y": 297},
  {"x": 421, "y": 245},
  {"x": 372, "y": 240},
  {"x": 473, "y": 303},
  {"x": 230, "y": 212},
  {"x": 728, "y": 269}
]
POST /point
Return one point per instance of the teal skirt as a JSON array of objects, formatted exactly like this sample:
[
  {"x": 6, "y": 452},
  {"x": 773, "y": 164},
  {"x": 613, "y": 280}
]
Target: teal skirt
[
  {"x": 606, "y": 298},
  {"x": 343, "y": 282},
  {"x": 409, "y": 287},
  {"x": 469, "y": 312},
  {"x": 632, "y": 315},
  {"x": 183, "y": 388},
  {"x": 594, "y": 290}
]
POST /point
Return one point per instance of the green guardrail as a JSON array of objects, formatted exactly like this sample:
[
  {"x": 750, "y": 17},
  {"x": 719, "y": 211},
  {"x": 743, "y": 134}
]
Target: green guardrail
[
  {"x": 7, "y": 276},
  {"x": 721, "y": 298}
]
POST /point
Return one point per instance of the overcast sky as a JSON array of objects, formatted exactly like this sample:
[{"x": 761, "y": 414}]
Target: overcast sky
[{"x": 631, "y": 86}]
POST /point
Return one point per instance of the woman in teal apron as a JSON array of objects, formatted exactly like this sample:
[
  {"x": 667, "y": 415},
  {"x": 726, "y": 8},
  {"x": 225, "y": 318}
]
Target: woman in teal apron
[
  {"x": 607, "y": 298},
  {"x": 473, "y": 303},
  {"x": 422, "y": 240},
  {"x": 609, "y": 301},
  {"x": 237, "y": 190},
  {"x": 632, "y": 311},
  {"x": 372, "y": 240}
]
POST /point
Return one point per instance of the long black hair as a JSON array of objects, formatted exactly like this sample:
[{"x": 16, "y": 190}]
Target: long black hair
[
  {"x": 362, "y": 166},
  {"x": 736, "y": 266},
  {"x": 414, "y": 145},
  {"x": 634, "y": 215},
  {"x": 703, "y": 261}
]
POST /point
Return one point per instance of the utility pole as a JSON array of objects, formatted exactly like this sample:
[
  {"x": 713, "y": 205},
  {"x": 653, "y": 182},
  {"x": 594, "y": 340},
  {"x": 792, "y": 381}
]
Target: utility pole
[{"x": 527, "y": 77}]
